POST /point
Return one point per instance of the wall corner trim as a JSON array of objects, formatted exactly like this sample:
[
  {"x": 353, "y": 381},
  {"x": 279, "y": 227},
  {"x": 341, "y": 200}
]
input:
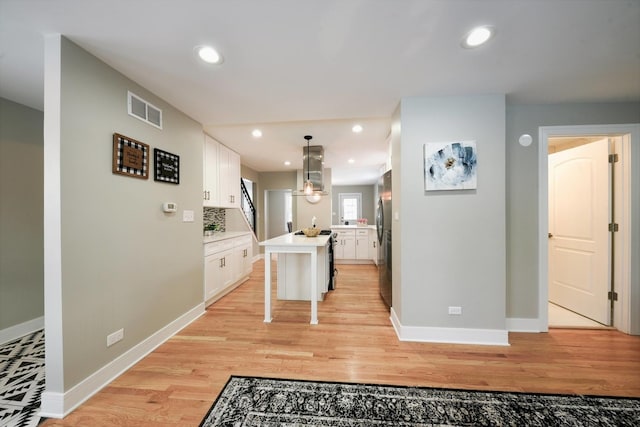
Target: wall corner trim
[
  {"x": 449, "y": 335},
  {"x": 59, "y": 405},
  {"x": 515, "y": 324}
]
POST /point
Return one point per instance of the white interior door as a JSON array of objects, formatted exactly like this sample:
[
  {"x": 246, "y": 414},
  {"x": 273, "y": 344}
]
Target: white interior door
[{"x": 579, "y": 245}]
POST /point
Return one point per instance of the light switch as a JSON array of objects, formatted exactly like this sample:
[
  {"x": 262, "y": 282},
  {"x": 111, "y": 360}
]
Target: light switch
[{"x": 187, "y": 216}]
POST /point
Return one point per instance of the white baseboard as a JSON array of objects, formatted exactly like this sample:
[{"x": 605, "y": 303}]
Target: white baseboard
[
  {"x": 16, "y": 331},
  {"x": 59, "y": 405},
  {"x": 515, "y": 324},
  {"x": 449, "y": 335}
]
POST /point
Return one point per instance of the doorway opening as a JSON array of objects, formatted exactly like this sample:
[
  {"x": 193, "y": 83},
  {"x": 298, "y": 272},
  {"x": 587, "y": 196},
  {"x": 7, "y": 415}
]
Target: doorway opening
[
  {"x": 619, "y": 290},
  {"x": 278, "y": 208}
]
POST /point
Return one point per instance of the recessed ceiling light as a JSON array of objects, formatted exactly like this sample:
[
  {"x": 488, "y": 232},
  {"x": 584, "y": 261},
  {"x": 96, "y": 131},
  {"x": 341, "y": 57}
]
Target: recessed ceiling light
[
  {"x": 209, "y": 55},
  {"x": 257, "y": 133},
  {"x": 478, "y": 36},
  {"x": 356, "y": 128},
  {"x": 287, "y": 163},
  {"x": 351, "y": 161}
]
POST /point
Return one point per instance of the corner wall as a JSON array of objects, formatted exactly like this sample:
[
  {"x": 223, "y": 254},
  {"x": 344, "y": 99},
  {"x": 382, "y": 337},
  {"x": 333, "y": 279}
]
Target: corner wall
[
  {"x": 113, "y": 259},
  {"x": 21, "y": 227},
  {"x": 452, "y": 242}
]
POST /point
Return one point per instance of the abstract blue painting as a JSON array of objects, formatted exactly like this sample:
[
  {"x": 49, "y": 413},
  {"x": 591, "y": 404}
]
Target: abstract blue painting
[{"x": 450, "y": 166}]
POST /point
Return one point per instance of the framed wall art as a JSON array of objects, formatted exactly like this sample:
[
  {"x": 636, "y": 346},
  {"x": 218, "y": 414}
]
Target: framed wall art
[
  {"x": 130, "y": 157},
  {"x": 450, "y": 166},
  {"x": 167, "y": 167}
]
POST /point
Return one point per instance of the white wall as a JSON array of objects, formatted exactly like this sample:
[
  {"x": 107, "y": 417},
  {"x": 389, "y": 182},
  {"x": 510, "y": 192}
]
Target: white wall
[{"x": 453, "y": 242}]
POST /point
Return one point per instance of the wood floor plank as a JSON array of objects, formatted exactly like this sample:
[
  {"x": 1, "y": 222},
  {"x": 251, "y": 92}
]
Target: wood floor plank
[{"x": 176, "y": 384}]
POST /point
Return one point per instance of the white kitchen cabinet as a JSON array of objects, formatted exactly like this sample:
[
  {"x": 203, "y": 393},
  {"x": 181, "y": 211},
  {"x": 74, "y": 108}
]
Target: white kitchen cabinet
[
  {"x": 227, "y": 263},
  {"x": 243, "y": 257},
  {"x": 373, "y": 246},
  {"x": 345, "y": 245},
  {"x": 229, "y": 173},
  {"x": 218, "y": 272},
  {"x": 362, "y": 244},
  {"x": 210, "y": 172},
  {"x": 221, "y": 175}
]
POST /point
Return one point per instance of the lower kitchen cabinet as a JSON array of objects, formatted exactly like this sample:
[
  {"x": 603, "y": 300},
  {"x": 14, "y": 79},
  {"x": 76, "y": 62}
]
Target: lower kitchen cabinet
[
  {"x": 355, "y": 245},
  {"x": 227, "y": 263}
]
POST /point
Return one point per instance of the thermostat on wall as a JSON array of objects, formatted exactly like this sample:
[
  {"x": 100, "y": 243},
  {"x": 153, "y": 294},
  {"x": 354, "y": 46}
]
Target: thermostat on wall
[{"x": 169, "y": 207}]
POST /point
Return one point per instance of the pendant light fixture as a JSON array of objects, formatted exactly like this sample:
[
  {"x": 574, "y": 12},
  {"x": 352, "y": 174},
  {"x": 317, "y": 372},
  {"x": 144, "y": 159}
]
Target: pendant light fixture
[{"x": 307, "y": 189}]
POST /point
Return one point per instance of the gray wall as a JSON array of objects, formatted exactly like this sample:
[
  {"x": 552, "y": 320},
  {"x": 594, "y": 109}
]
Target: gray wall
[
  {"x": 368, "y": 201},
  {"x": 21, "y": 210},
  {"x": 453, "y": 242},
  {"x": 125, "y": 263},
  {"x": 522, "y": 188}
]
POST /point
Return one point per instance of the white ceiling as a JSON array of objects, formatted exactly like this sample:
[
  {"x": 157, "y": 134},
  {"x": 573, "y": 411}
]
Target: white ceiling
[{"x": 297, "y": 67}]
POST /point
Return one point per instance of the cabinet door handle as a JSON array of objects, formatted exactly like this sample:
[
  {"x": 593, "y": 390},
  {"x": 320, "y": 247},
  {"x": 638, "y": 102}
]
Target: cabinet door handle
[{"x": 221, "y": 263}]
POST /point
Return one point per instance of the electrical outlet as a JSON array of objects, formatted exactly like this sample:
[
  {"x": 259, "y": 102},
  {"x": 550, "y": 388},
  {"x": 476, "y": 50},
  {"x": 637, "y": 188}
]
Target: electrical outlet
[
  {"x": 115, "y": 337},
  {"x": 455, "y": 311}
]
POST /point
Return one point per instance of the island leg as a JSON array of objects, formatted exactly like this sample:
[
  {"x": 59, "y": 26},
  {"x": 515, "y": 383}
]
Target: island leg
[
  {"x": 314, "y": 287},
  {"x": 267, "y": 286}
]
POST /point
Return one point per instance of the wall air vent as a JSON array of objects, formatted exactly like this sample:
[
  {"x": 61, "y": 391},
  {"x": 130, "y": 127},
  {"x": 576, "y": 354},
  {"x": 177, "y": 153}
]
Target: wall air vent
[{"x": 141, "y": 109}]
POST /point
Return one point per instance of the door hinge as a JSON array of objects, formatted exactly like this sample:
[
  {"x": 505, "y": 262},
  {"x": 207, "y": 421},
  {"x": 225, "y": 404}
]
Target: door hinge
[
  {"x": 613, "y": 227},
  {"x": 612, "y": 296},
  {"x": 613, "y": 158}
]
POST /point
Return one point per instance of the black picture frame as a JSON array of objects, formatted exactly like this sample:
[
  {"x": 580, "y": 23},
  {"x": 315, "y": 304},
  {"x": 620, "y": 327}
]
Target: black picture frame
[{"x": 167, "y": 167}]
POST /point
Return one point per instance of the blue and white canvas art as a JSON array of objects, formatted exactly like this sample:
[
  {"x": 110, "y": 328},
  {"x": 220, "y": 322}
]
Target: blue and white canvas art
[{"x": 450, "y": 166}]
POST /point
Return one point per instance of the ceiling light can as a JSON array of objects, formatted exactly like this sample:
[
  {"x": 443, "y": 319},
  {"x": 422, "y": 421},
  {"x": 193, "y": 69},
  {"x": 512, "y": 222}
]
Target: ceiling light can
[
  {"x": 209, "y": 55},
  {"x": 478, "y": 36}
]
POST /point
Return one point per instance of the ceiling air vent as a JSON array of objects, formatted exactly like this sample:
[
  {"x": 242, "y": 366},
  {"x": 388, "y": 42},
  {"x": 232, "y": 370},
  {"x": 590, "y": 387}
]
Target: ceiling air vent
[{"x": 141, "y": 109}]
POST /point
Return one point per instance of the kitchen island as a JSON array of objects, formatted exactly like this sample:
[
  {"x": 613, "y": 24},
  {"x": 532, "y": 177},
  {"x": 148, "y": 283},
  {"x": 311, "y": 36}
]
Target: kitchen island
[{"x": 292, "y": 268}]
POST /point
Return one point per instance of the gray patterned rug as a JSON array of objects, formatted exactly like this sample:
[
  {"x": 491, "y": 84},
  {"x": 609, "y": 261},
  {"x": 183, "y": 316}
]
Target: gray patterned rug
[{"x": 247, "y": 401}]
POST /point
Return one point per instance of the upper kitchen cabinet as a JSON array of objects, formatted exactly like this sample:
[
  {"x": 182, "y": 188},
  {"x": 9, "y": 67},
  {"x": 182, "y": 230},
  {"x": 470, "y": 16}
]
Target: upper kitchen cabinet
[
  {"x": 210, "y": 195},
  {"x": 221, "y": 175},
  {"x": 229, "y": 172}
]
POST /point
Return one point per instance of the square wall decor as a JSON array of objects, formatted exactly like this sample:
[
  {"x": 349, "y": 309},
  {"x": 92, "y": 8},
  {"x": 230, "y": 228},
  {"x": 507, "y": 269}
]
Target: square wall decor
[
  {"x": 167, "y": 167},
  {"x": 450, "y": 166},
  {"x": 130, "y": 157}
]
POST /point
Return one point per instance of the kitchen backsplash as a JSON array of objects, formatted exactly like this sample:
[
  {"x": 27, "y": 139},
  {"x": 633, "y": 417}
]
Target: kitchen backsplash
[{"x": 215, "y": 216}]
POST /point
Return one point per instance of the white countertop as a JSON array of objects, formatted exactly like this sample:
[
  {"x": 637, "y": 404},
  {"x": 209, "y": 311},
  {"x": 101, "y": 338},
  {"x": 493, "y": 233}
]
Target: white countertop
[
  {"x": 224, "y": 235},
  {"x": 293, "y": 240},
  {"x": 353, "y": 227}
]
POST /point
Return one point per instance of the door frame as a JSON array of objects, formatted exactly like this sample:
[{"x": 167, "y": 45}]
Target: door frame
[{"x": 627, "y": 213}]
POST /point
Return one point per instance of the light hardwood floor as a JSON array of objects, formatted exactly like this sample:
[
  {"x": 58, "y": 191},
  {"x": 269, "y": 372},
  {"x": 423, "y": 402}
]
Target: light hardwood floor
[{"x": 354, "y": 342}]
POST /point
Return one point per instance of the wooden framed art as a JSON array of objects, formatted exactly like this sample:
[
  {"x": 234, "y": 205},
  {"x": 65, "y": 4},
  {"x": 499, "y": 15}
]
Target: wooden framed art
[
  {"x": 130, "y": 157},
  {"x": 167, "y": 166}
]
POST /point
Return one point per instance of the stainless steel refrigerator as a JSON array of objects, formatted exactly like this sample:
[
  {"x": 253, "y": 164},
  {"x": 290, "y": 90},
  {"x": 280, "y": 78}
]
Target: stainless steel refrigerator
[{"x": 383, "y": 227}]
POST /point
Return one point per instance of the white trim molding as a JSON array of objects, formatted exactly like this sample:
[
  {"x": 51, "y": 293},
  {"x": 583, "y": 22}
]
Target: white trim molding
[
  {"x": 59, "y": 405},
  {"x": 21, "y": 329},
  {"x": 449, "y": 335},
  {"x": 523, "y": 325}
]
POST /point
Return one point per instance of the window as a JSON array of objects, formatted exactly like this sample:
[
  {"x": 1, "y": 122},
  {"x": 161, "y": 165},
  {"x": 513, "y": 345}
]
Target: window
[{"x": 350, "y": 206}]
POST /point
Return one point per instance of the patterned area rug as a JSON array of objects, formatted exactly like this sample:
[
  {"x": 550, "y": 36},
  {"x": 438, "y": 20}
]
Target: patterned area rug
[
  {"x": 21, "y": 380},
  {"x": 271, "y": 402}
]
